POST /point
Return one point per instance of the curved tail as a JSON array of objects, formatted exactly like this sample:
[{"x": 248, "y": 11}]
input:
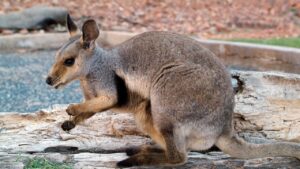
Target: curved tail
[{"x": 237, "y": 147}]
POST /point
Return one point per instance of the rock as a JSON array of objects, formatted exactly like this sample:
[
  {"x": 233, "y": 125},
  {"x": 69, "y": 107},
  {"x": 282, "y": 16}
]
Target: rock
[
  {"x": 38, "y": 17},
  {"x": 267, "y": 106}
]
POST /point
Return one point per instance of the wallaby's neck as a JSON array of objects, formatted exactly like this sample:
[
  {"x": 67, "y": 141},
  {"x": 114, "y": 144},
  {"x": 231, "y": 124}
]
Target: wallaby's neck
[{"x": 102, "y": 58}]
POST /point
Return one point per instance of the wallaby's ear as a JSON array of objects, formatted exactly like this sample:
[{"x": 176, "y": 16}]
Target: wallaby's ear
[
  {"x": 72, "y": 28},
  {"x": 90, "y": 32}
]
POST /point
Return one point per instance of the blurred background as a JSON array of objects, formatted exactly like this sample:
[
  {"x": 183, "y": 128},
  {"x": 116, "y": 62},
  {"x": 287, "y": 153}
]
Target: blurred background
[
  {"x": 216, "y": 19},
  {"x": 23, "y": 70}
]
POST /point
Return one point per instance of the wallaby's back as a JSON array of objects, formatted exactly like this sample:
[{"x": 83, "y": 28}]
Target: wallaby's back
[{"x": 144, "y": 55}]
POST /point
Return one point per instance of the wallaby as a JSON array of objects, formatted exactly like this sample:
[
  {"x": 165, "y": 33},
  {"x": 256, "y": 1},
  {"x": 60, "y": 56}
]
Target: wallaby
[{"x": 179, "y": 92}]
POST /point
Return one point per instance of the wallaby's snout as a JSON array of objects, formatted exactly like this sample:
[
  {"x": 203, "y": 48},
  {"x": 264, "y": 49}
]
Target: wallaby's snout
[{"x": 49, "y": 81}]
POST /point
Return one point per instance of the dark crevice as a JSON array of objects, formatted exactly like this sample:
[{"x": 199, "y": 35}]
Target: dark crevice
[
  {"x": 102, "y": 151},
  {"x": 240, "y": 84},
  {"x": 32, "y": 152},
  {"x": 212, "y": 149},
  {"x": 75, "y": 150},
  {"x": 61, "y": 149}
]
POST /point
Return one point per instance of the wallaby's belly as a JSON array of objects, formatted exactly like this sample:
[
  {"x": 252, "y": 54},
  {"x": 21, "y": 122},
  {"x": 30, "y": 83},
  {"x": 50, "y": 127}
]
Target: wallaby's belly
[{"x": 199, "y": 138}]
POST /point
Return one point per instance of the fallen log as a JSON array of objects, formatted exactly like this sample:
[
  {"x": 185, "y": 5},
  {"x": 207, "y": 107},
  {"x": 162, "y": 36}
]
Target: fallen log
[
  {"x": 267, "y": 109},
  {"x": 37, "y": 17}
]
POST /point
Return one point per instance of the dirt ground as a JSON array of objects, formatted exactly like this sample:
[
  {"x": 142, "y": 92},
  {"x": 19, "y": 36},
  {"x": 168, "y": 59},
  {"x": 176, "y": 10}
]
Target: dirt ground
[{"x": 216, "y": 19}]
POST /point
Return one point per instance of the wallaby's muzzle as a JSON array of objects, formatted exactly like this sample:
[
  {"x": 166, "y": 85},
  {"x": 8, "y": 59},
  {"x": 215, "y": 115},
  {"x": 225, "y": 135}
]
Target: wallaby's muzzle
[
  {"x": 49, "y": 81},
  {"x": 55, "y": 82}
]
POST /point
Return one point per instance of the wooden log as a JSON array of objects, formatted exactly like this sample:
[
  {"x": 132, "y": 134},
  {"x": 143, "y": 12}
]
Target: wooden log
[{"x": 267, "y": 109}]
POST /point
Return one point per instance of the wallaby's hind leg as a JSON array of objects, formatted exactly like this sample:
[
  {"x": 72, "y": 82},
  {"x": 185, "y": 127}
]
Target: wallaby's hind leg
[
  {"x": 143, "y": 118},
  {"x": 143, "y": 149},
  {"x": 174, "y": 153},
  {"x": 175, "y": 146}
]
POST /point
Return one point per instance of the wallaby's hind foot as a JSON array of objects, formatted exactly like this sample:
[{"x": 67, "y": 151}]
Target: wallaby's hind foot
[
  {"x": 152, "y": 159},
  {"x": 143, "y": 149},
  {"x": 174, "y": 153},
  {"x": 143, "y": 159}
]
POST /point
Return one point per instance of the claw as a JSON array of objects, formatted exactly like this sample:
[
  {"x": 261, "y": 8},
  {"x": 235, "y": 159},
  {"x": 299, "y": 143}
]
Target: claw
[{"x": 68, "y": 125}]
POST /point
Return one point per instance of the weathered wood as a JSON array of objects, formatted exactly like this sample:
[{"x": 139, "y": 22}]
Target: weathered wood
[
  {"x": 38, "y": 17},
  {"x": 267, "y": 109},
  {"x": 268, "y": 105},
  {"x": 216, "y": 160}
]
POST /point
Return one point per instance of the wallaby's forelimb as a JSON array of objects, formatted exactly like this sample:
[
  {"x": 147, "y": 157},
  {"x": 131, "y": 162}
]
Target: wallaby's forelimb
[
  {"x": 82, "y": 117},
  {"x": 70, "y": 124},
  {"x": 94, "y": 105},
  {"x": 237, "y": 147},
  {"x": 87, "y": 109}
]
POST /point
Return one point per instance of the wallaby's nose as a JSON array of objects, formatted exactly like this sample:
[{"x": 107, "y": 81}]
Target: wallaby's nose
[{"x": 49, "y": 81}]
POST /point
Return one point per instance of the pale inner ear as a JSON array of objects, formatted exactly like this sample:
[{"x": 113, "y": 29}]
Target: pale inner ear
[
  {"x": 72, "y": 28},
  {"x": 90, "y": 32}
]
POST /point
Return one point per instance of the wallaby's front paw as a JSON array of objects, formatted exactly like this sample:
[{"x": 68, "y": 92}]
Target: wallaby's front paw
[
  {"x": 68, "y": 125},
  {"x": 72, "y": 110}
]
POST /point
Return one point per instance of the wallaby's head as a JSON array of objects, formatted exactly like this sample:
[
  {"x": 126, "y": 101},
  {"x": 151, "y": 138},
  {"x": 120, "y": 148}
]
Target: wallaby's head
[{"x": 71, "y": 60}]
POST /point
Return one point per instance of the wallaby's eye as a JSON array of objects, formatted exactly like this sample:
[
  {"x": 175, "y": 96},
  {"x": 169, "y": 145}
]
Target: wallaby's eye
[{"x": 69, "y": 62}]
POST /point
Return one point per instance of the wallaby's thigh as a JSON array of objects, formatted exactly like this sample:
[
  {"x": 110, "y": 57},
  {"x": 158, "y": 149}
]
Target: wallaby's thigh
[
  {"x": 192, "y": 99},
  {"x": 188, "y": 92}
]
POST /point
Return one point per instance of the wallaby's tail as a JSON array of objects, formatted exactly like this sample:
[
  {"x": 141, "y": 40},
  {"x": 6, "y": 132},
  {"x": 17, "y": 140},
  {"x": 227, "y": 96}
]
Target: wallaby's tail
[{"x": 237, "y": 147}]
